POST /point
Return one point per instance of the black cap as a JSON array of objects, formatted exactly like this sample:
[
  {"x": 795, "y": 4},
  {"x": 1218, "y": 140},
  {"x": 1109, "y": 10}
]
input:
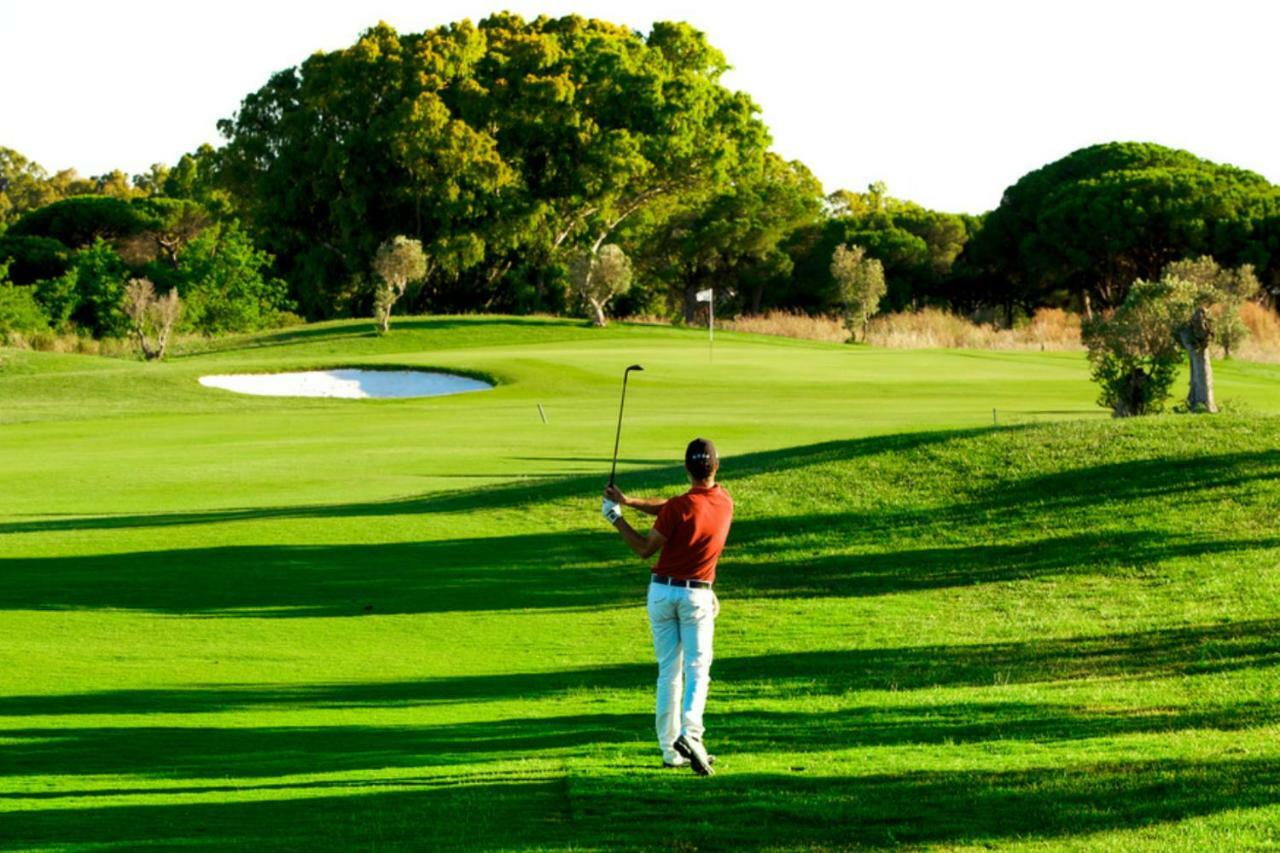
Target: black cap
[{"x": 700, "y": 458}]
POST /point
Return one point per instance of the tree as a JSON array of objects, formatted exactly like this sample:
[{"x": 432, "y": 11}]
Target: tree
[
  {"x": 165, "y": 228},
  {"x": 195, "y": 178},
  {"x": 1205, "y": 310},
  {"x": 916, "y": 246},
  {"x": 861, "y": 282},
  {"x": 731, "y": 240},
  {"x": 1133, "y": 352},
  {"x": 398, "y": 263},
  {"x": 598, "y": 277},
  {"x": 151, "y": 317},
  {"x": 33, "y": 258},
  {"x": 1231, "y": 287},
  {"x": 24, "y": 186},
  {"x": 1083, "y": 228},
  {"x": 77, "y": 221},
  {"x": 152, "y": 181},
  {"x": 504, "y": 143}
]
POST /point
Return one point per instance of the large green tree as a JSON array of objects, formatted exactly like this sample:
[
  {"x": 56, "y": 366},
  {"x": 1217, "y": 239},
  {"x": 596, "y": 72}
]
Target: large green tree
[
  {"x": 505, "y": 143},
  {"x": 732, "y": 240},
  {"x": 24, "y": 186},
  {"x": 1082, "y": 228},
  {"x": 916, "y": 247}
]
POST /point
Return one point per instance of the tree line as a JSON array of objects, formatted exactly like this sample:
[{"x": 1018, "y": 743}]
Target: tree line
[{"x": 571, "y": 165}]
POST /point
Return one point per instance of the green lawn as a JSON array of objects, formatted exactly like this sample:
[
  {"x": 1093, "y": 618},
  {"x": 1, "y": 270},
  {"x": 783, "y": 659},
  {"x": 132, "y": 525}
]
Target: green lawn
[{"x": 272, "y": 623}]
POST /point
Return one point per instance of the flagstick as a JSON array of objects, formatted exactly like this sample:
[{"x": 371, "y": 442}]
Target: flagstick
[{"x": 711, "y": 333}]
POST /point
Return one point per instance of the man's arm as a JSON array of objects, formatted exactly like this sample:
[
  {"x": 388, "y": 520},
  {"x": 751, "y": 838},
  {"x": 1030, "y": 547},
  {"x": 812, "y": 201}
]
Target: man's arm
[
  {"x": 644, "y": 546},
  {"x": 649, "y": 506}
]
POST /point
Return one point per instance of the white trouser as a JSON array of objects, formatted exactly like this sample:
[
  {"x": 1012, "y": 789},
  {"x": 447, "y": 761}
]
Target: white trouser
[{"x": 684, "y": 624}]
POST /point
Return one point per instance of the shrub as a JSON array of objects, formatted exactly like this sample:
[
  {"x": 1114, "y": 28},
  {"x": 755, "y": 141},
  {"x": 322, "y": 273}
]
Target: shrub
[
  {"x": 1133, "y": 351},
  {"x": 59, "y": 297},
  {"x": 226, "y": 283},
  {"x": 34, "y": 258},
  {"x": 100, "y": 278},
  {"x": 19, "y": 310}
]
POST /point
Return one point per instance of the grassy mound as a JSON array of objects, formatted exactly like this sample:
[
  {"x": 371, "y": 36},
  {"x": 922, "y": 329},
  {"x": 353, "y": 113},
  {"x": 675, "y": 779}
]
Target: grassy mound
[{"x": 285, "y": 623}]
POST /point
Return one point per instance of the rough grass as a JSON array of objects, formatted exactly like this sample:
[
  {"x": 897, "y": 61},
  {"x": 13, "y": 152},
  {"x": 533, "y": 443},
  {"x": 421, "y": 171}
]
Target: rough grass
[
  {"x": 282, "y": 624},
  {"x": 1050, "y": 329},
  {"x": 791, "y": 324}
]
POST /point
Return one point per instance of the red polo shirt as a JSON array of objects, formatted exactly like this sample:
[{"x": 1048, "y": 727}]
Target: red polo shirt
[{"x": 695, "y": 526}]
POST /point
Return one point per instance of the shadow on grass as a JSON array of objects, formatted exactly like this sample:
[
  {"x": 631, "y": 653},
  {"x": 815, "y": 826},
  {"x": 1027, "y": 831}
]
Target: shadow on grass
[
  {"x": 501, "y": 811},
  {"x": 864, "y": 550},
  {"x": 730, "y": 811},
  {"x": 1010, "y": 500},
  {"x": 949, "y": 807},
  {"x": 540, "y": 570},
  {"x": 212, "y": 752},
  {"x": 667, "y": 480},
  {"x": 1162, "y": 653}
]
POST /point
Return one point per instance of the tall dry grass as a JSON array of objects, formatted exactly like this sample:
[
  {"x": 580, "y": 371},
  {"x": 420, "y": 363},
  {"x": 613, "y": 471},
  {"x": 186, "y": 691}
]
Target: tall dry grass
[
  {"x": 69, "y": 343},
  {"x": 1049, "y": 329},
  {"x": 1263, "y": 343},
  {"x": 790, "y": 324}
]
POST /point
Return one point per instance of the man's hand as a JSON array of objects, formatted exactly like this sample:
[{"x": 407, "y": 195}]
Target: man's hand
[
  {"x": 649, "y": 506},
  {"x": 611, "y": 511}
]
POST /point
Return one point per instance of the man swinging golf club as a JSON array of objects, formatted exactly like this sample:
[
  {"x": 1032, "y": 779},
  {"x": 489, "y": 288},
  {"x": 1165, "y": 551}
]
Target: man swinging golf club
[{"x": 690, "y": 531}]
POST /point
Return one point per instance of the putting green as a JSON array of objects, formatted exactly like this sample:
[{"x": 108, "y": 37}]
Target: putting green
[{"x": 287, "y": 622}]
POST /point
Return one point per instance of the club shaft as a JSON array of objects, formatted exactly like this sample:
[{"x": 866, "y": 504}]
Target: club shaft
[{"x": 617, "y": 438}]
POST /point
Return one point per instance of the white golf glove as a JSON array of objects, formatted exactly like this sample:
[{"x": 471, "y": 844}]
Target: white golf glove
[{"x": 610, "y": 510}]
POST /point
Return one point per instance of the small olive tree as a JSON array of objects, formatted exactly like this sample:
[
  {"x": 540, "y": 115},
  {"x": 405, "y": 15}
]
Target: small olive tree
[
  {"x": 398, "y": 263},
  {"x": 1134, "y": 357},
  {"x": 1230, "y": 289},
  {"x": 151, "y": 317},
  {"x": 598, "y": 277},
  {"x": 861, "y": 283}
]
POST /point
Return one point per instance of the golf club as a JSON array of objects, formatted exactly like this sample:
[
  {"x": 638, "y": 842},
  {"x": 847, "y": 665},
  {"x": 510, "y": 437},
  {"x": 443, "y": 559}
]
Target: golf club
[{"x": 618, "y": 436}]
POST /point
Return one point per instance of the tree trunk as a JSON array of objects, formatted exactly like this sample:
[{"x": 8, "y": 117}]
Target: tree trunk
[
  {"x": 691, "y": 302},
  {"x": 597, "y": 308},
  {"x": 1088, "y": 304},
  {"x": 144, "y": 345},
  {"x": 1132, "y": 401},
  {"x": 1195, "y": 338},
  {"x": 1200, "y": 395}
]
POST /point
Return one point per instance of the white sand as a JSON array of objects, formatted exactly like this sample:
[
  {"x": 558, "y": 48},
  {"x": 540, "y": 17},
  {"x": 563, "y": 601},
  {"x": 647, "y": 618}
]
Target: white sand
[{"x": 352, "y": 384}]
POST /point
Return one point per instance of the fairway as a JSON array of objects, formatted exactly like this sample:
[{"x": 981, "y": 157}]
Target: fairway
[{"x": 961, "y": 605}]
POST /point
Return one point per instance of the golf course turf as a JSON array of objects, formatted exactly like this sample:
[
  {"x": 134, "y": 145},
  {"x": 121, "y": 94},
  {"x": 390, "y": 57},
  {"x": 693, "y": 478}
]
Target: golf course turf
[{"x": 275, "y": 623}]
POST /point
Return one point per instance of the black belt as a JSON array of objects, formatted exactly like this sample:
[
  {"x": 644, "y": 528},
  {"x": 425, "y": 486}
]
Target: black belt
[{"x": 663, "y": 579}]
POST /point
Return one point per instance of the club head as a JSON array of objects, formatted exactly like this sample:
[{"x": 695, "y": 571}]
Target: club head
[{"x": 633, "y": 367}]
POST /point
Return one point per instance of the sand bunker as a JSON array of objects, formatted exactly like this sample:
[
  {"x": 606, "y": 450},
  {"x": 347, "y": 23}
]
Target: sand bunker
[{"x": 348, "y": 383}]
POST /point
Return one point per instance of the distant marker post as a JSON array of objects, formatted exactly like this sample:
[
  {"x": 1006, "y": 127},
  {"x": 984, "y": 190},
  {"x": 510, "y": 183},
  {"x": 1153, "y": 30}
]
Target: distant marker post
[{"x": 542, "y": 414}]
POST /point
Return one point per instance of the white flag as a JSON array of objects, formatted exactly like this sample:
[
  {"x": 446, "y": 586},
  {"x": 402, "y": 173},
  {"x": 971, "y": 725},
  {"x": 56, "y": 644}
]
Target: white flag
[{"x": 704, "y": 295}]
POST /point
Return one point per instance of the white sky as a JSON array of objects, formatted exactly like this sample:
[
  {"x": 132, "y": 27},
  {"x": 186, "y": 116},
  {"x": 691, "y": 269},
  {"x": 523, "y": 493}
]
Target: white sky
[{"x": 947, "y": 102}]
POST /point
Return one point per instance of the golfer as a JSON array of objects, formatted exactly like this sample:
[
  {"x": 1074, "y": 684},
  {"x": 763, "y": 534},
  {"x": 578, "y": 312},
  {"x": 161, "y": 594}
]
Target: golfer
[{"x": 690, "y": 532}]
